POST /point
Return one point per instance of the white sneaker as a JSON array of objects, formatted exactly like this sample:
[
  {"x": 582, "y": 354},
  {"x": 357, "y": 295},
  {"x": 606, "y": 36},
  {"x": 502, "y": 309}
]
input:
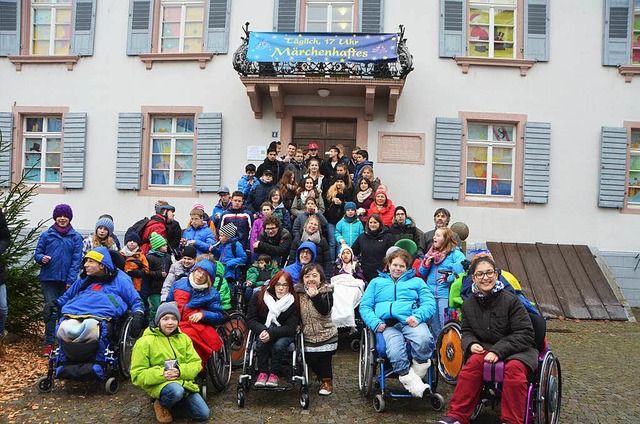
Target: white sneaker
[
  {"x": 421, "y": 368},
  {"x": 414, "y": 384}
]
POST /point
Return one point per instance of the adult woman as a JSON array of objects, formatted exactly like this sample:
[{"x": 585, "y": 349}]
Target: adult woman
[
  {"x": 306, "y": 190},
  {"x": 311, "y": 232},
  {"x": 382, "y": 206},
  {"x": 496, "y": 327},
  {"x": 311, "y": 209},
  {"x": 273, "y": 316},
  {"x": 59, "y": 252},
  {"x": 398, "y": 305},
  {"x": 442, "y": 255},
  {"x": 336, "y": 198},
  {"x": 313, "y": 171},
  {"x": 319, "y": 331},
  {"x": 364, "y": 198},
  {"x": 367, "y": 172},
  {"x": 288, "y": 187},
  {"x": 279, "y": 208},
  {"x": 371, "y": 247}
]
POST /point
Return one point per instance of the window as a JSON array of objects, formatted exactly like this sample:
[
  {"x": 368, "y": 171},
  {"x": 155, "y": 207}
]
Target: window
[
  {"x": 50, "y": 27},
  {"x": 42, "y": 149},
  {"x": 633, "y": 188},
  {"x": 182, "y": 26},
  {"x": 172, "y": 142},
  {"x": 492, "y": 28},
  {"x": 635, "y": 54},
  {"x": 329, "y": 16}
]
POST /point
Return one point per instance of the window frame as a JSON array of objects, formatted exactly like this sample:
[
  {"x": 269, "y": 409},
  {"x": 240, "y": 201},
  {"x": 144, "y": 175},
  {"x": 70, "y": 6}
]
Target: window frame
[
  {"x": 173, "y": 137},
  {"x": 44, "y": 137},
  {"x": 635, "y": 33},
  {"x": 518, "y": 31},
  {"x": 54, "y": 7},
  {"x": 183, "y": 23},
  {"x": 355, "y": 15},
  {"x": 632, "y": 208}
]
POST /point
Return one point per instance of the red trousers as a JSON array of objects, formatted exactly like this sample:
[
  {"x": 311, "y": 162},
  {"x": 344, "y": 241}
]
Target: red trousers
[{"x": 467, "y": 392}]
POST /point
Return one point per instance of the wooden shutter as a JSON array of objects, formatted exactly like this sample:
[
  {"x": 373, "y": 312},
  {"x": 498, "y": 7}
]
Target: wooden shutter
[
  {"x": 537, "y": 149},
  {"x": 536, "y": 30},
  {"x": 371, "y": 16},
  {"x": 129, "y": 151},
  {"x": 613, "y": 167},
  {"x": 446, "y": 166},
  {"x": 6, "y": 143},
  {"x": 84, "y": 12},
  {"x": 286, "y": 15},
  {"x": 218, "y": 26},
  {"x": 73, "y": 150},
  {"x": 140, "y": 27},
  {"x": 617, "y": 33},
  {"x": 10, "y": 27},
  {"x": 453, "y": 28},
  {"x": 208, "y": 160}
]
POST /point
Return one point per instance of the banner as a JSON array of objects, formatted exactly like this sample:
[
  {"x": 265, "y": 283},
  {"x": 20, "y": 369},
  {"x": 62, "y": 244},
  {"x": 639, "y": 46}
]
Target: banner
[{"x": 321, "y": 47}]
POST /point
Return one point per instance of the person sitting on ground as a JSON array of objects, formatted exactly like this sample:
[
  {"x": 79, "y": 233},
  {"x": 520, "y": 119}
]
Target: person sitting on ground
[
  {"x": 102, "y": 236},
  {"x": 398, "y": 305},
  {"x": 136, "y": 265},
  {"x": 273, "y": 316},
  {"x": 274, "y": 241},
  {"x": 198, "y": 234},
  {"x": 371, "y": 247},
  {"x": 164, "y": 364},
  {"x": 485, "y": 340},
  {"x": 179, "y": 269},
  {"x": 246, "y": 182}
]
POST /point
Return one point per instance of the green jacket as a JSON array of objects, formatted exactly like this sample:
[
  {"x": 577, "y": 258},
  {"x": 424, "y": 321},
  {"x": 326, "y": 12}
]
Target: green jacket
[
  {"x": 222, "y": 286},
  {"x": 149, "y": 354},
  {"x": 253, "y": 274}
]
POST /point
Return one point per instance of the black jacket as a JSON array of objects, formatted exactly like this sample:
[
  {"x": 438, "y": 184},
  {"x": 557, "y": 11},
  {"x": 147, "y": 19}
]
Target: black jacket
[
  {"x": 259, "y": 194},
  {"x": 408, "y": 231},
  {"x": 288, "y": 320},
  {"x": 277, "y": 247},
  {"x": 371, "y": 249},
  {"x": 276, "y": 167}
]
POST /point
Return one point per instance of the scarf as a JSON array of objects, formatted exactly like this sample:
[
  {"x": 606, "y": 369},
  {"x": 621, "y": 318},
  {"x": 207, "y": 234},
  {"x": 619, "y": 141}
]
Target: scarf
[
  {"x": 363, "y": 195},
  {"x": 195, "y": 285},
  {"x": 276, "y": 307},
  {"x": 350, "y": 220},
  {"x": 304, "y": 195},
  {"x": 62, "y": 231},
  {"x": 315, "y": 237},
  {"x": 476, "y": 291},
  {"x": 125, "y": 250},
  {"x": 438, "y": 256}
]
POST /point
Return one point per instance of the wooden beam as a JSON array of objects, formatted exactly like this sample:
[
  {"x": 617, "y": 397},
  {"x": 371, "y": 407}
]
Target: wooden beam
[
  {"x": 255, "y": 100},
  {"x": 394, "y": 95},
  {"x": 369, "y": 101},
  {"x": 277, "y": 98}
]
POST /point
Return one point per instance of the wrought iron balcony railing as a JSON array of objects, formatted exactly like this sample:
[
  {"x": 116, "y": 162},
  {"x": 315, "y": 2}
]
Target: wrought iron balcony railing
[{"x": 394, "y": 70}]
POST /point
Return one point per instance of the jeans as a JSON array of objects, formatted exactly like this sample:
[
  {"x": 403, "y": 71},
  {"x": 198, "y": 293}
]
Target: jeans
[
  {"x": 437, "y": 320},
  {"x": 420, "y": 341},
  {"x": 179, "y": 401},
  {"x": 278, "y": 350},
  {"x": 4, "y": 308},
  {"x": 51, "y": 290},
  {"x": 331, "y": 238}
]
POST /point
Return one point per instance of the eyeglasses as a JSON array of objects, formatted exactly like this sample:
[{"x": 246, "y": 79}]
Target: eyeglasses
[
  {"x": 282, "y": 285},
  {"x": 270, "y": 228},
  {"x": 489, "y": 274}
]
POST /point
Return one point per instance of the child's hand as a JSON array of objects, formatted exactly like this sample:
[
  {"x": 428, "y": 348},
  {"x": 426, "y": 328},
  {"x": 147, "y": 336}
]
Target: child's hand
[
  {"x": 45, "y": 259},
  {"x": 248, "y": 283},
  {"x": 196, "y": 317},
  {"x": 172, "y": 374},
  {"x": 164, "y": 274}
]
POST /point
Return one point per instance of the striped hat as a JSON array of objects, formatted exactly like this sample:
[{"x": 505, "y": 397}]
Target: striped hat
[{"x": 157, "y": 241}]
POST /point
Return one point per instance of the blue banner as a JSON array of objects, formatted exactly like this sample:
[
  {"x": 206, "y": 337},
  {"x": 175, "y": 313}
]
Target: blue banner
[{"x": 321, "y": 47}]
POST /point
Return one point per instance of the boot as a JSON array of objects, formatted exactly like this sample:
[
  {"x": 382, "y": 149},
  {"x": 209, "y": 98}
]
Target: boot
[
  {"x": 414, "y": 385},
  {"x": 163, "y": 415},
  {"x": 421, "y": 368}
]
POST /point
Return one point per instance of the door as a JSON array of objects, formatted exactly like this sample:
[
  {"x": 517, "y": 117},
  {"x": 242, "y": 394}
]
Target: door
[{"x": 326, "y": 133}]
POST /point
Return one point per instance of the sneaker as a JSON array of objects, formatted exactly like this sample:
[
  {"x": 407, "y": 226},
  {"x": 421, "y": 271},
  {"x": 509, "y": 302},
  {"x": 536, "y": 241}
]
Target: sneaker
[
  {"x": 261, "y": 380},
  {"x": 46, "y": 351},
  {"x": 327, "y": 387},
  {"x": 273, "y": 381},
  {"x": 448, "y": 420},
  {"x": 163, "y": 415}
]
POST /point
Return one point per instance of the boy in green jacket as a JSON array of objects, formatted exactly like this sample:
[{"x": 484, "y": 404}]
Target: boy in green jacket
[{"x": 165, "y": 364}]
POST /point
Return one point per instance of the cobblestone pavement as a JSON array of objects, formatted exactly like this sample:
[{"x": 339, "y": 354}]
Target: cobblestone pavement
[{"x": 601, "y": 384}]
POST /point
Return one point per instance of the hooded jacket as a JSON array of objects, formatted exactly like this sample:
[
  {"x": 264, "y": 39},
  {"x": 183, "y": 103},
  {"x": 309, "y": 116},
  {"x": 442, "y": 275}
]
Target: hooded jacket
[
  {"x": 437, "y": 284},
  {"x": 372, "y": 249},
  {"x": 66, "y": 255},
  {"x": 231, "y": 257},
  {"x": 296, "y": 267},
  {"x": 315, "y": 313},
  {"x": 277, "y": 247},
  {"x": 322, "y": 253},
  {"x": 203, "y": 236}
]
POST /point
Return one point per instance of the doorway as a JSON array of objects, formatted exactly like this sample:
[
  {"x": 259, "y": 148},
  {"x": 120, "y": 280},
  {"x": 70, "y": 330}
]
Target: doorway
[{"x": 326, "y": 133}]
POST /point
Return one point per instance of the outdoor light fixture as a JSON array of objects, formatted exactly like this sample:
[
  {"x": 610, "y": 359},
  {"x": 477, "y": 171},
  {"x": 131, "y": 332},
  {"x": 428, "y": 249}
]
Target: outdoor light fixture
[{"x": 324, "y": 92}]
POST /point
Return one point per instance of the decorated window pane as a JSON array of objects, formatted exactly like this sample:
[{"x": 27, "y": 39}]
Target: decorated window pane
[
  {"x": 182, "y": 28},
  {"x": 172, "y": 151},
  {"x": 42, "y": 141},
  {"x": 50, "y": 27},
  {"x": 492, "y": 29},
  {"x": 329, "y": 16},
  {"x": 633, "y": 192}
]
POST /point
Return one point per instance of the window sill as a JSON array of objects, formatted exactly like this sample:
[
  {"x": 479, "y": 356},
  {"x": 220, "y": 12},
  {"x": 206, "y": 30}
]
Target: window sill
[
  {"x": 150, "y": 58},
  {"x": 18, "y": 61},
  {"x": 467, "y": 61},
  {"x": 488, "y": 203},
  {"x": 168, "y": 191},
  {"x": 629, "y": 71}
]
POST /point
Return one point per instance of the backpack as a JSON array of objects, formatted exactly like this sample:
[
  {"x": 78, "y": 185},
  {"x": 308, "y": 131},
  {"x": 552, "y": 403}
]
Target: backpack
[{"x": 138, "y": 227}]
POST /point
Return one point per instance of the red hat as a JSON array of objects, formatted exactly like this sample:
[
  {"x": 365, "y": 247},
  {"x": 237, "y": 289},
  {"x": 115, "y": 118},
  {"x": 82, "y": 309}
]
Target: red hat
[
  {"x": 381, "y": 191},
  {"x": 313, "y": 146}
]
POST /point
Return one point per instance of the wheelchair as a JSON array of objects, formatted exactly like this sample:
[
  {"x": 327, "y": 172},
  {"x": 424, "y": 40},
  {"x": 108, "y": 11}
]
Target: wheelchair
[
  {"x": 216, "y": 374},
  {"x": 75, "y": 361},
  {"x": 298, "y": 369},
  {"x": 374, "y": 368}
]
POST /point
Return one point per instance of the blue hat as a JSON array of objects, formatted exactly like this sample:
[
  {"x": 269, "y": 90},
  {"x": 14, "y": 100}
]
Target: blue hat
[
  {"x": 106, "y": 223},
  {"x": 207, "y": 266},
  {"x": 101, "y": 255},
  {"x": 350, "y": 205}
]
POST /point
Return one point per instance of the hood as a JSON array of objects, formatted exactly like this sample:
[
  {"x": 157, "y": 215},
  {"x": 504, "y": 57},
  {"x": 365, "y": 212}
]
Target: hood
[
  {"x": 101, "y": 254},
  {"x": 208, "y": 267},
  {"x": 306, "y": 245}
]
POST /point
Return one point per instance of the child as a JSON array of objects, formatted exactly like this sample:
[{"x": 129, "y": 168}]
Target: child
[
  {"x": 165, "y": 364},
  {"x": 246, "y": 181},
  {"x": 348, "y": 264},
  {"x": 349, "y": 227},
  {"x": 198, "y": 234},
  {"x": 100, "y": 237},
  {"x": 159, "y": 262},
  {"x": 229, "y": 251},
  {"x": 266, "y": 209},
  {"x": 135, "y": 264},
  {"x": 348, "y": 285},
  {"x": 261, "y": 271},
  {"x": 178, "y": 270}
]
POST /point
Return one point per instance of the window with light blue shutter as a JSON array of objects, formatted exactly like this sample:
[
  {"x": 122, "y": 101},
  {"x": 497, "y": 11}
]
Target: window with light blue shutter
[
  {"x": 129, "y": 151},
  {"x": 218, "y": 26},
  {"x": 617, "y": 33},
  {"x": 6, "y": 144},
  {"x": 208, "y": 156},
  {"x": 446, "y": 165},
  {"x": 453, "y": 28},
  {"x": 613, "y": 167},
  {"x": 537, "y": 151},
  {"x": 84, "y": 12},
  {"x": 74, "y": 150},
  {"x": 285, "y": 17},
  {"x": 371, "y": 16},
  {"x": 536, "y": 30},
  {"x": 140, "y": 27},
  {"x": 9, "y": 27}
]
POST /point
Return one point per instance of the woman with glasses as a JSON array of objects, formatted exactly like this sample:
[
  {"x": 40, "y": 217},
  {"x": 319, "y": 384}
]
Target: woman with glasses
[{"x": 496, "y": 327}]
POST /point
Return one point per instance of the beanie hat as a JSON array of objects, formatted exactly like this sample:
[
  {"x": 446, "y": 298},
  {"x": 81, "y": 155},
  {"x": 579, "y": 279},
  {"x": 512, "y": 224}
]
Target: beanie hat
[
  {"x": 106, "y": 223},
  {"x": 63, "y": 210},
  {"x": 166, "y": 308},
  {"x": 229, "y": 230},
  {"x": 132, "y": 236},
  {"x": 189, "y": 252},
  {"x": 408, "y": 245},
  {"x": 350, "y": 205},
  {"x": 339, "y": 178},
  {"x": 198, "y": 205},
  {"x": 401, "y": 208},
  {"x": 380, "y": 190},
  {"x": 391, "y": 250},
  {"x": 157, "y": 241}
]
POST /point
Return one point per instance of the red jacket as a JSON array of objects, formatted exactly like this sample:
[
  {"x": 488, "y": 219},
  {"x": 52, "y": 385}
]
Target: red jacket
[
  {"x": 156, "y": 224},
  {"x": 386, "y": 213}
]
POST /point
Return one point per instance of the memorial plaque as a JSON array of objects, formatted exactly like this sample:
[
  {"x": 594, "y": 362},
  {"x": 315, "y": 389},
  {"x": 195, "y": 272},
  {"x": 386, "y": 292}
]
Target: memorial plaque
[{"x": 405, "y": 148}]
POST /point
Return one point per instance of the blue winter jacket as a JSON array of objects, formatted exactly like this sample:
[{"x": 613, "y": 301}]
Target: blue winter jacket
[
  {"x": 66, "y": 255},
  {"x": 348, "y": 231},
  {"x": 218, "y": 209},
  {"x": 203, "y": 236},
  {"x": 225, "y": 254},
  {"x": 385, "y": 299},
  {"x": 436, "y": 282},
  {"x": 244, "y": 186},
  {"x": 295, "y": 268},
  {"x": 205, "y": 301}
]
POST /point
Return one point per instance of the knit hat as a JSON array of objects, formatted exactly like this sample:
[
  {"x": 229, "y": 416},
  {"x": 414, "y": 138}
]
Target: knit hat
[
  {"x": 63, "y": 210},
  {"x": 380, "y": 190},
  {"x": 106, "y": 223},
  {"x": 400, "y": 208},
  {"x": 132, "y": 236},
  {"x": 350, "y": 205},
  {"x": 157, "y": 241},
  {"x": 189, "y": 252},
  {"x": 339, "y": 178},
  {"x": 198, "y": 205},
  {"x": 166, "y": 308},
  {"x": 391, "y": 250},
  {"x": 229, "y": 230},
  {"x": 408, "y": 245}
]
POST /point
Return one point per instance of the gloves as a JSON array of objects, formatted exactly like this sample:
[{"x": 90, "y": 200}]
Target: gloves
[
  {"x": 138, "y": 323},
  {"x": 135, "y": 273},
  {"x": 50, "y": 309}
]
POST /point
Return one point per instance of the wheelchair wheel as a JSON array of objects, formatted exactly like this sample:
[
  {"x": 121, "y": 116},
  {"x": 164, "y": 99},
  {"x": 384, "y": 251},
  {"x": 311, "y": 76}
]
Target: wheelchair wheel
[
  {"x": 378, "y": 403},
  {"x": 236, "y": 332},
  {"x": 111, "y": 386},
  {"x": 366, "y": 363},
  {"x": 240, "y": 396},
  {"x": 549, "y": 393},
  {"x": 437, "y": 402},
  {"x": 450, "y": 354},
  {"x": 125, "y": 347},
  {"x": 304, "y": 398},
  {"x": 219, "y": 367},
  {"x": 44, "y": 385}
]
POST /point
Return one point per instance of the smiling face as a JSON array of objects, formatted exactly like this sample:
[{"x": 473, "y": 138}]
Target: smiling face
[
  {"x": 340, "y": 185},
  {"x": 62, "y": 221},
  {"x": 299, "y": 157},
  {"x": 485, "y": 277},
  {"x": 373, "y": 223},
  {"x": 312, "y": 225},
  {"x": 367, "y": 173},
  {"x": 308, "y": 184},
  {"x": 93, "y": 267},
  {"x": 275, "y": 198},
  {"x": 363, "y": 185},
  {"x": 311, "y": 278},
  {"x": 305, "y": 256},
  {"x": 397, "y": 267},
  {"x": 380, "y": 199},
  {"x": 291, "y": 150},
  {"x": 313, "y": 166},
  {"x": 188, "y": 262},
  {"x": 168, "y": 324}
]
